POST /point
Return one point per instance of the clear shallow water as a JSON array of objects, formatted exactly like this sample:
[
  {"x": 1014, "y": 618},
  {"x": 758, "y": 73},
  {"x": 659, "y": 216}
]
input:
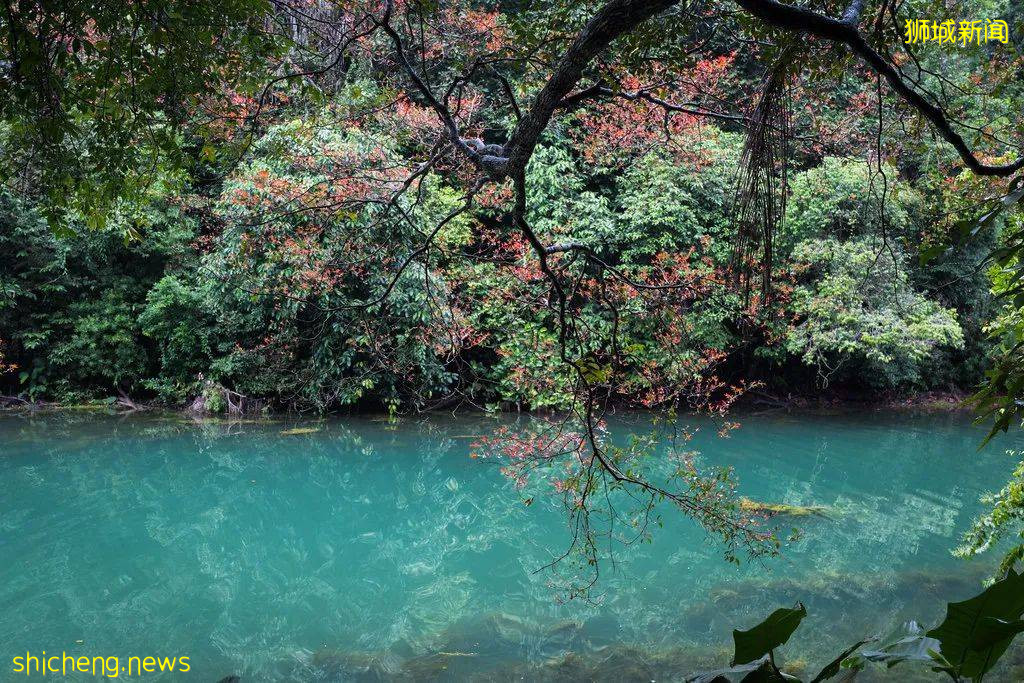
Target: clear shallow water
[{"x": 377, "y": 551}]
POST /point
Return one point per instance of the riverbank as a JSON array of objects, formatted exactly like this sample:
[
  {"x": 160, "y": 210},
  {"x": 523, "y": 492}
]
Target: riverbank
[
  {"x": 755, "y": 401},
  {"x": 932, "y": 401}
]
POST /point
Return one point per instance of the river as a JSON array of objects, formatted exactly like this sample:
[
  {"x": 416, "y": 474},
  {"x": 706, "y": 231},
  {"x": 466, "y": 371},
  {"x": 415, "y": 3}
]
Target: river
[{"x": 374, "y": 549}]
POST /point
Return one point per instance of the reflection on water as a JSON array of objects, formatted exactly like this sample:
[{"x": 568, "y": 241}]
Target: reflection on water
[{"x": 376, "y": 551}]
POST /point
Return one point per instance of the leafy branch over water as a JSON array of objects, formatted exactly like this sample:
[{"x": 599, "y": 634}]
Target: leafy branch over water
[{"x": 607, "y": 511}]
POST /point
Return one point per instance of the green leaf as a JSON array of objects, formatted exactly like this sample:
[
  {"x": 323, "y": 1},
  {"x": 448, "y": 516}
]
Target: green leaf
[
  {"x": 767, "y": 673},
  {"x": 758, "y": 671},
  {"x": 833, "y": 668},
  {"x": 768, "y": 635},
  {"x": 931, "y": 253},
  {"x": 593, "y": 372},
  {"x": 908, "y": 644},
  {"x": 991, "y": 630},
  {"x": 971, "y": 637}
]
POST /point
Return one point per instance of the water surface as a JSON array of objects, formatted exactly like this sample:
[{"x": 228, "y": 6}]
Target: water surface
[{"x": 372, "y": 550}]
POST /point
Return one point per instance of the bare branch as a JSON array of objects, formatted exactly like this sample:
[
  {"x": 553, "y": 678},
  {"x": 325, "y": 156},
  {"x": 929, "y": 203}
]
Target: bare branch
[
  {"x": 599, "y": 90},
  {"x": 484, "y": 161}
]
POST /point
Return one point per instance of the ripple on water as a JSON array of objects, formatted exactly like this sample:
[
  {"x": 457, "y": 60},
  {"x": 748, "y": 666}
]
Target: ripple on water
[{"x": 369, "y": 551}]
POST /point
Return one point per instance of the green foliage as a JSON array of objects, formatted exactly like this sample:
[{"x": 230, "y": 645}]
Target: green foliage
[
  {"x": 179, "y": 262},
  {"x": 1003, "y": 519},
  {"x": 859, "y": 307},
  {"x": 295, "y": 311},
  {"x": 842, "y": 199},
  {"x": 98, "y": 108},
  {"x": 999, "y": 400},
  {"x": 861, "y": 315},
  {"x": 180, "y": 320},
  {"x": 528, "y": 371},
  {"x": 656, "y": 205},
  {"x": 768, "y": 635},
  {"x": 976, "y": 632},
  {"x": 908, "y": 643},
  {"x": 668, "y": 206},
  {"x": 561, "y": 203},
  {"x": 832, "y": 669},
  {"x": 966, "y": 645},
  {"x": 69, "y": 314},
  {"x": 759, "y": 671},
  {"x": 32, "y": 260},
  {"x": 100, "y": 345},
  {"x": 284, "y": 316}
]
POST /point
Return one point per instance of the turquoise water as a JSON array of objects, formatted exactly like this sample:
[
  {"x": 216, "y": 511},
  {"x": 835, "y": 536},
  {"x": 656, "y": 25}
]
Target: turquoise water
[{"x": 372, "y": 550}]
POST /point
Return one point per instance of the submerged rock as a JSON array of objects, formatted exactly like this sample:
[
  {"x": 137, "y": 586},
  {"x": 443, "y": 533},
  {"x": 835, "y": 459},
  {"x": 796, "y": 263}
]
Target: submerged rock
[
  {"x": 493, "y": 635},
  {"x": 365, "y": 667},
  {"x": 449, "y": 666},
  {"x": 620, "y": 663},
  {"x": 775, "y": 509},
  {"x": 300, "y": 430}
]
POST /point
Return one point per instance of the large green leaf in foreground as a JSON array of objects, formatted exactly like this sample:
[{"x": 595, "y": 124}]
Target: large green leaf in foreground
[
  {"x": 976, "y": 632},
  {"x": 768, "y": 635}
]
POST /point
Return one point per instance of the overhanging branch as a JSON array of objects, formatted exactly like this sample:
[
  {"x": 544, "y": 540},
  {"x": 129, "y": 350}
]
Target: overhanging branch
[
  {"x": 616, "y": 18},
  {"x": 845, "y": 32}
]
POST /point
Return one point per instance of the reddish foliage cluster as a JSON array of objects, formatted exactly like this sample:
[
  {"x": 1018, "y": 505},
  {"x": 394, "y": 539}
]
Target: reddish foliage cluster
[
  {"x": 834, "y": 122},
  {"x": 628, "y": 126},
  {"x": 524, "y": 450}
]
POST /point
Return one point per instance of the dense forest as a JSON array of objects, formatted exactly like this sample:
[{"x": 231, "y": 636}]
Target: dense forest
[{"x": 241, "y": 261}]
